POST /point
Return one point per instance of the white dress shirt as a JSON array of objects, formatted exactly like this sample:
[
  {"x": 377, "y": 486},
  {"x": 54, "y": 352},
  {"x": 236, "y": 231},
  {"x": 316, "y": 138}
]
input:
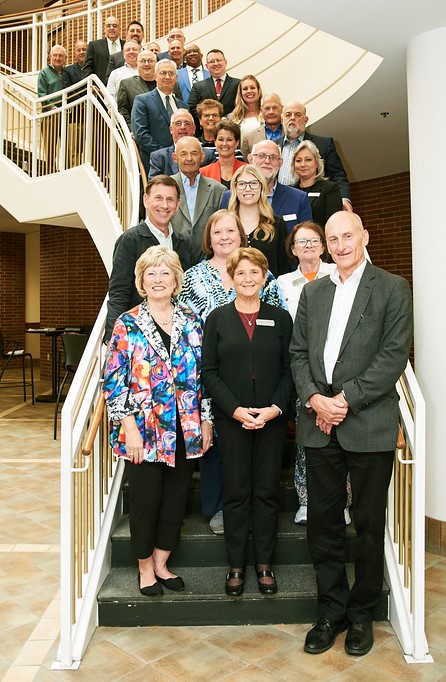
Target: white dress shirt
[
  {"x": 342, "y": 306},
  {"x": 163, "y": 240}
]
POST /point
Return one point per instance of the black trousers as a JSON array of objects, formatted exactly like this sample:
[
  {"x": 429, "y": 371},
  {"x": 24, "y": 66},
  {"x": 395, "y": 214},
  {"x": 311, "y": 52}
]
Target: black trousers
[
  {"x": 157, "y": 502},
  {"x": 370, "y": 474},
  {"x": 252, "y": 462}
]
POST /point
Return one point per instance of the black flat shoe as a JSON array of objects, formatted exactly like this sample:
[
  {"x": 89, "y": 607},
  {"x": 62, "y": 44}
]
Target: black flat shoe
[
  {"x": 154, "y": 590},
  {"x": 322, "y": 636},
  {"x": 174, "y": 584},
  {"x": 267, "y": 588},
  {"x": 235, "y": 590},
  {"x": 359, "y": 639}
]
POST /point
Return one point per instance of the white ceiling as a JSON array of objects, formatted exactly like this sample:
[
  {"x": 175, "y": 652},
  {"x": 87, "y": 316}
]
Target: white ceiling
[{"x": 371, "y": 145}]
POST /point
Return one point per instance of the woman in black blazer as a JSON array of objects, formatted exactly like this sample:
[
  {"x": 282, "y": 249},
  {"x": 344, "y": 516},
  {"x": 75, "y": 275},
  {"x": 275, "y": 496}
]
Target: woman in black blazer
[{"x": 246, "y": 373}]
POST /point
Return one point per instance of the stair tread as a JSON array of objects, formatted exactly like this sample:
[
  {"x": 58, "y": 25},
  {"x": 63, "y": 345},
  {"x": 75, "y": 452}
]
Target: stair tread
[
  {"x": 197, "y": 526},
  {"x": 207, "y": 583}
]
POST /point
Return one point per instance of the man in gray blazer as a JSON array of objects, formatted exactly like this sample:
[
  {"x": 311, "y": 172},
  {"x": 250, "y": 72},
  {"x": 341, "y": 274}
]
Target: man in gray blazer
[
  {"x": 350, "y": 344},
  {"x": 199, "y": 196}
]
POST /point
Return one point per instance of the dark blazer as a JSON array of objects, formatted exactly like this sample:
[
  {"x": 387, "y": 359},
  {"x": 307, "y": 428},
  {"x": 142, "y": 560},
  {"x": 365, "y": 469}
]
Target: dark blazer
[
  {"x": 372, "y": 357},
  {"x": 127, "y": 91},
  {"x": 325, "y": 198},
  {"x": 114, "y": 62},
  {"x": 206, "y": 89},
  {"x": 184, "y": 82},
  {"x": 129, "y": 246},
  {"x": 231, "y": 360},
  {"x": 292, "y": 207},
  {"x": 207, "y": 202},
  {"x": 161, "y": 162},
  {"x": 150, "y": 124},
  {"x": 72, "y": 74},
  {"x": 96, "y": 60},
  {"x": 334, "y": 170}
]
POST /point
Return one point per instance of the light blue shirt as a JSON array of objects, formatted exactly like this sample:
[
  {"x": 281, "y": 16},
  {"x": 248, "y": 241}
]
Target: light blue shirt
[{"x": 191, "y": 193}]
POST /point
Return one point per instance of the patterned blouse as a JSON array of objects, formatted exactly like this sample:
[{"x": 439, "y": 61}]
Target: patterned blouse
[
  {"x": 143, "y": 379},
  {"x": 203, "y": 290}
]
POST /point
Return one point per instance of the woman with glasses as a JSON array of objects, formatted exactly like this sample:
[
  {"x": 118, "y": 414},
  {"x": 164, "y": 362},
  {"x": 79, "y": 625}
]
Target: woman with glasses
[
  {"x": 306, "y": 247},
  {"x": 308, "y": 168},
  {"x": 227, "y": 137},
  {"x": 264, "y": 230}
]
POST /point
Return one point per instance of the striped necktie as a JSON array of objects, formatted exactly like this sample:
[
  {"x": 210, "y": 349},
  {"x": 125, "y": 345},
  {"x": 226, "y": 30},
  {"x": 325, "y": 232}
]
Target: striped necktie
[
  {"x": 168, "y": 107},
  {"x": 194, "y": 76}
]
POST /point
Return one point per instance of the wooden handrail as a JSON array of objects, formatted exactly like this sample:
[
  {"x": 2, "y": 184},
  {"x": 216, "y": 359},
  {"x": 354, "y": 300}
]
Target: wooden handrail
[
  {"x": 401, "y": 441},
  {"x": 96, "y": 418}
]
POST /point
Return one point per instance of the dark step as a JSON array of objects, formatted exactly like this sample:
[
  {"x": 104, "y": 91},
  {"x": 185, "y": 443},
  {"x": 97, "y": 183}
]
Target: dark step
[
  {"x": 204, "y": 602},
  {"x": 200, "y": 547}
]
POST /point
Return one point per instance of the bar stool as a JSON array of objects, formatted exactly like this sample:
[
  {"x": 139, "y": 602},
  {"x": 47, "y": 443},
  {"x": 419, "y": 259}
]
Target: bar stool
[{"x": 73, "y": 347}]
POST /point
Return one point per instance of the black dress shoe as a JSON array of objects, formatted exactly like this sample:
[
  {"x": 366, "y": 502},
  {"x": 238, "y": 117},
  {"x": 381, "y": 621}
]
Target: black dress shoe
[
  {"x": 154, "y": 590},
  {"x": 359, "y": 639},
  {"x": 174, "y": 584},
  {"x": 235, "y": 590},
  {"x": 267, "y": 588},
  {"x": 321, "y": 637}
]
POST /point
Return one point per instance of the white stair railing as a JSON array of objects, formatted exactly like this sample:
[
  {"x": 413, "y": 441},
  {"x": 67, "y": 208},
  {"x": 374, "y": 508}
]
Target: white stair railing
[
  {"x": 85, "y": 129},
  {"x": 90, "y": 495},
  {"x": 404, "y": 536}
]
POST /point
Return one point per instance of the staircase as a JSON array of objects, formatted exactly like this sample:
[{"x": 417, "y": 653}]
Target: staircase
[{"x": 200, "y": 559}]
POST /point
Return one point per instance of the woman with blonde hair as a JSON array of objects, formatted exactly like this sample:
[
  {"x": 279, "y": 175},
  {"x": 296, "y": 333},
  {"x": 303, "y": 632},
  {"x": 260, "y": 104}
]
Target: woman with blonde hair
[
  {"x": 264, "y": 230},
  {"x": 247, "y": 113},
  {"x": 159, "y": 421}
]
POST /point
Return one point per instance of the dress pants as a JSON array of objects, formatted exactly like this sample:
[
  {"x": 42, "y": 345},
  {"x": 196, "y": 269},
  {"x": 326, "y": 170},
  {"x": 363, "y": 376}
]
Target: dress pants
[
  {"x": 370, "y": 473},
  {"x": 157, "y": 502},
  {"x": 252, "y": 462},
  {"x": 211, "y": 480}
]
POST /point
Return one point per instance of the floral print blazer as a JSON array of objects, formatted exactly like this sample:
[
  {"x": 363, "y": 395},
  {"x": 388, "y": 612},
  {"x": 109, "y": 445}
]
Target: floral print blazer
[{"x": 143, "y": 379}]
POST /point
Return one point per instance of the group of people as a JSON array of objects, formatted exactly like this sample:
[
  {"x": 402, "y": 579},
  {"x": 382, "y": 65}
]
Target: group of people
[{"x": 224, "y": 311}]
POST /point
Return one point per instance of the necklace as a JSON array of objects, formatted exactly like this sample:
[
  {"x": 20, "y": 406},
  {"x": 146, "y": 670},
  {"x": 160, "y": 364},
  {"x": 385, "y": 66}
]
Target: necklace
[
  {"x": 163, "y": 324},
  {"x": 249, "y": 319}
]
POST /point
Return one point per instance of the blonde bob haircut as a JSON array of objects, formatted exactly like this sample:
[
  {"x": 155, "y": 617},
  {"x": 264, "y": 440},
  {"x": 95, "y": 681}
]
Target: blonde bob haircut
[
  {"x": 254, "y": 256},
  {"x": 266, "y": 217},
  {"x": 153, "y": 257},
  {"x": 218, "y": 215},
  {"x": 308, "y": 144}
]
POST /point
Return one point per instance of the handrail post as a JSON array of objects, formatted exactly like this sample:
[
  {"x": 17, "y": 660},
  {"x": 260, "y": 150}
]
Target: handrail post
[{"x": 152, "y": 20}]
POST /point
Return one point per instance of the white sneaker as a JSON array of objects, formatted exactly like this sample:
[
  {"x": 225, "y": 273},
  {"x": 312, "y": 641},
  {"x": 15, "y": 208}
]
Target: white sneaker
[
  {"x": 347, "y": 517},
  {"x": 301, "y": 515},
  {"x": 216, "y": 523}
]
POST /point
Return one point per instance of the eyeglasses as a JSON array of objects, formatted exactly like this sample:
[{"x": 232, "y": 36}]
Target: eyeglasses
[
  {"x": 147, "y": 61},
  {"x": 111, "y": 25},
  {"x": 314, "y": 241},
  {"x": 215, "y": 61},
  {"x": 210, "y": 116},
  {"x": 178, "y": 124},
  {"x": 270, "y": 157},
  {"x": 252, "y": 184},
  {"x": 171, "y": 74}
]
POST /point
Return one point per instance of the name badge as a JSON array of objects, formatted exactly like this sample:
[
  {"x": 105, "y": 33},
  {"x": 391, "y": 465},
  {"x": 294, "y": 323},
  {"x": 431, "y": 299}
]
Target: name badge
[
  {"x": 290, "y": 216},
  {"x": 265, "y": 323},
  {"x": 314, "y": 194}
]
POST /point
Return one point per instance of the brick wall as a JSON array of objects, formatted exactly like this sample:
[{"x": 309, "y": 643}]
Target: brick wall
[
  {"x": 73, "y": 282},
  {"x": 12, "y": 285},
  {"x": 384, "y": 206}
]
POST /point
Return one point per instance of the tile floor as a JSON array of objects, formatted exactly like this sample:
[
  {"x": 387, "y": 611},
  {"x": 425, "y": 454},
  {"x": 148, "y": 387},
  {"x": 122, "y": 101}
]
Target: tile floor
[{"x": 29, "y": 570}]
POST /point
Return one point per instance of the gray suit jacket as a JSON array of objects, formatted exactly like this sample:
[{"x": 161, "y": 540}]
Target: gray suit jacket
[
  {"x": 209, "y": 194},
  {"x": 127, "y": 91},
  {"x": 372, "y": 357}
]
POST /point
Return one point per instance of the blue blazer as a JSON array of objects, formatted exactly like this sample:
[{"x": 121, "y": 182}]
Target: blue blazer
[
  {"x": 293, "y": 207},
  {"x": 161, "y": 162},
  {"x": 184, "y": 82},
  {"x": 150, "y": 124}
]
